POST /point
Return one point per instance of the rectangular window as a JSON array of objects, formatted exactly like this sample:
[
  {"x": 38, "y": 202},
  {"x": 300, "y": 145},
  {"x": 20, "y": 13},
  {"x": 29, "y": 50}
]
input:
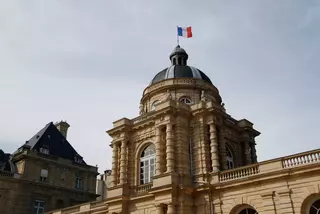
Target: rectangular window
[
  {"x": 79, "y": 183},
  {"x": 38, "y": 207},
  {"x": 43, "y": 175}
]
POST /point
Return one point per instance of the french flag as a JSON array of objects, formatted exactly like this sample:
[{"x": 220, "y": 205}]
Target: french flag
[{"x": 185, "y": 32}]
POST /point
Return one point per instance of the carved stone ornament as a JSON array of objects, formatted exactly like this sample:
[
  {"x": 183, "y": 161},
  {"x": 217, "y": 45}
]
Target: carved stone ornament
[
  {"x": 203, "y": 96},
  {"x": 168, "y": 96},
  {"x": 141, "y": 109}
]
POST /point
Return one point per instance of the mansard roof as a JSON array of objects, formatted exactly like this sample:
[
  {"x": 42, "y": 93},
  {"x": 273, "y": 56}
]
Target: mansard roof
[{"x": 51, "y": 138}]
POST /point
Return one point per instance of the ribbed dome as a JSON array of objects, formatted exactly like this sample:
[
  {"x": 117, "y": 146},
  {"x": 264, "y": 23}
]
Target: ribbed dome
[
  {"x": 179, "y": 68},
  {"x": 180, "y": 71}
]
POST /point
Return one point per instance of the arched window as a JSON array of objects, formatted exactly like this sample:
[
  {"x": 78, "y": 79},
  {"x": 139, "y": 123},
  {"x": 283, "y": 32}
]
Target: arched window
[
  {"x": 315, "y": 207},
  {"x": 185, "y": 100},
  {"x": 153, "y": 106},
  {"x": 147, "y": 164},
  {"x": 230, "y": 162},
  {"x": 248, "y": 211}
]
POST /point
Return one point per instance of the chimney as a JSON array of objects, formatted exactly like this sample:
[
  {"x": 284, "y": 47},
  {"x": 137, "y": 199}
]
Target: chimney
[{"x": 62, "y": 126}]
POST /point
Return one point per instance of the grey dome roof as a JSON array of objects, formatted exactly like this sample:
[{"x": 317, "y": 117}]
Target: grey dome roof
[{"x": 180, "y": 71}]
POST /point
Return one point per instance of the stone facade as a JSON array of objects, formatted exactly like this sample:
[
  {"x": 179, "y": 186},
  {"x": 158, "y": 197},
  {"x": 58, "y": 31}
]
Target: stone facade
[
  {"x": 42, "y": 182},
  {"x": 185, "y": 154}
]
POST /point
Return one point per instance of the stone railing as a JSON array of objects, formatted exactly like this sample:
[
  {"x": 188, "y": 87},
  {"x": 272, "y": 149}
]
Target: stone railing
[
  {"x": 301, "y": 159},
  {"x": 265, "y": 167},
  {"x": 142, "y": 189},
  {"x": 239, "y": 173}
]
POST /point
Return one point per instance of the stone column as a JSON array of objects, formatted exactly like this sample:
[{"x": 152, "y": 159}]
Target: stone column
[
  {"x": 123, "y": 164},
  {"x": 114, "y": 163},
  {"x": 253, "y": 152},
  {"x": 170, "y": 209},
  {"x": 247, "y": 152},
  {"x": 159, "y": 208},
  {"x": 214, "y": 148},
  {"x": 170, "y": 148},
  {"x": 222, "y": 150},
  {"x": 202, "y": 137},
  {"x": 158, "y": 151}
]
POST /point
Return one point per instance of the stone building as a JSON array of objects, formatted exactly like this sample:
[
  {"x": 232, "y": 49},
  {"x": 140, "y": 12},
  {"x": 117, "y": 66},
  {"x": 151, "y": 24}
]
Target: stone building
[
  {"x": 102, "y": 185},
  {"x": 185, "y": 154},
  {"x": 45, "y": 173}
]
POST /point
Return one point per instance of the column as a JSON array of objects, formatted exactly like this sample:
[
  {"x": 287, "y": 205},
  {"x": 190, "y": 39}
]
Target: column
[
  {"x": 123, "y": 165},
  {"x": 170, "y": 209},
  {"x": 222, "y": 150},
  {"x": 170, "y": 148},
  {"x": 158, "y": 151},
  {"x": 114, "y": 163},
  {"x": 159, "y": 208},
  {"x": 203, "y": 146},
  {"x": 214, "y": 148},
  {"x": 247, "y": 152},
  {"x": 253, "y": 152}
]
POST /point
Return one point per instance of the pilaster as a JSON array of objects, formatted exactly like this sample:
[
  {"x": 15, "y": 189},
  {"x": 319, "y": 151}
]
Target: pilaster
[
  {"x": 115, "y": 146},
  {"x": 268, "y": 203},
  {"x": 158, "y": 151},
  {"x": 285, "y": 206},
  {"x": 170, "y": 148},
  {"x": 214, "y": 148},
  {"x": 222, "y": 150},
  {"x": 123, "y": 160}
]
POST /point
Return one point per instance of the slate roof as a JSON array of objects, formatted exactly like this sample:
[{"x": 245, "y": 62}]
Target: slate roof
[
  {"x": 50, "y": 137},
  {"x": 180, "y": 71}
]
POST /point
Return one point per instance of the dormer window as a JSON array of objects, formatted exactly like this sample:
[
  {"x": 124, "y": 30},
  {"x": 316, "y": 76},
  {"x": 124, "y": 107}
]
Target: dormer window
[
  {"x": 78, "y": 159},
  {"x": 44, "y": 150}
]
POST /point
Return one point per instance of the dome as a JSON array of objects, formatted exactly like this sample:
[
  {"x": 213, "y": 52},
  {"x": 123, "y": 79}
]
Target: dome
[
  {"x": 180, "y": 71},
  {"x": 179, "y": 68}
]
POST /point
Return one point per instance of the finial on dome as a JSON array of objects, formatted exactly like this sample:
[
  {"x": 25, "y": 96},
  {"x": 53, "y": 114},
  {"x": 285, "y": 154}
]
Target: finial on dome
[{"x": 178, "y": 56}]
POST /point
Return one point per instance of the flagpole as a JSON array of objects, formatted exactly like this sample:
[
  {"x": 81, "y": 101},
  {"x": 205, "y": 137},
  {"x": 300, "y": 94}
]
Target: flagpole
[{"x": 177, "y": 36}]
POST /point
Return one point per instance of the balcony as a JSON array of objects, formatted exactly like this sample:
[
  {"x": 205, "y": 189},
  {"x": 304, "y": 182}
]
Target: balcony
[
  {"x": 143, "y": 189},
  {"x": 266, "y": 167}
]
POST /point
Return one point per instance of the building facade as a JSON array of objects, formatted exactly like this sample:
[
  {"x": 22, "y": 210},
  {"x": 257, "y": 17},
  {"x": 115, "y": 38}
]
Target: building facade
[
  {"x": 185, "y": 154},
  {"x": 45, "y": 173}
]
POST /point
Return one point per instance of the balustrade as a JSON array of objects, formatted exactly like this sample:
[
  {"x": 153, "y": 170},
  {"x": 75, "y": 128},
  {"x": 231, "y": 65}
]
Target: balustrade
[
  {"x": 301, "y": 159},
  {"x": 141, "y": 189},
  {"x": 239, "y": 173}
]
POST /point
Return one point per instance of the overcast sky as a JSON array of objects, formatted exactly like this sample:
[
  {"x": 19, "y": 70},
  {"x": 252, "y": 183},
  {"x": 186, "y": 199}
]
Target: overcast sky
[{"x": 88, "y": 62}]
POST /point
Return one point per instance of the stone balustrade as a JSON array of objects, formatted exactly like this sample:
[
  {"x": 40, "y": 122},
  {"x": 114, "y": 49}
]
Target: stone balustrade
[
  {"x": 239, "y": 173},
  {"x": 301, "y": 159},
  {"x": 141, "y": 189},
  {"x": 265, "y": 167}
]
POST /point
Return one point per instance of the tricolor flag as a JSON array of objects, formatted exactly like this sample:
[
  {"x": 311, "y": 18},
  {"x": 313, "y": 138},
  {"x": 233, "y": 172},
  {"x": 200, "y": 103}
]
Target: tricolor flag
[{"x": 185, "y": 32}]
